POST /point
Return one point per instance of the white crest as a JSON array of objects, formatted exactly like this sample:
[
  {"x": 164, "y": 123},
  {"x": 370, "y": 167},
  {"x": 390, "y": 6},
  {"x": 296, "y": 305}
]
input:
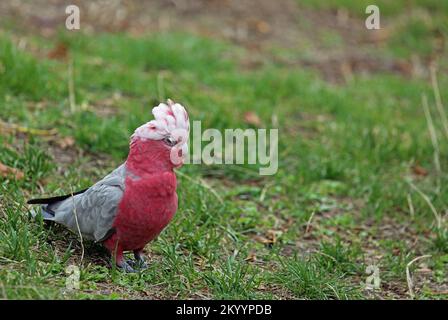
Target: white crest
[{"x": 171, "y": 120}]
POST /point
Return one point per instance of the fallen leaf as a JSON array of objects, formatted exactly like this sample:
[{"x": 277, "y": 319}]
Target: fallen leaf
[
  {"x": 269, "y": 238},
  {"x": 251, "y": 257},
  {"x": 147, "y": 293},
  {"x": 274, "y": 234},
  {"x": 252, "y": 118},
  {"x": 263, "y": 27},
  {"x": 424, "y": 270},
  {"x": 263, "y": 240},
  {"x": 420, "y": 171},
  {"x": 60, "y": 52},
  {"x": 380, "y": 35},
  {"x": 440, "y": 292},
  {"x": 65, "y": 142},
  {"x": 6, "y": 171}
]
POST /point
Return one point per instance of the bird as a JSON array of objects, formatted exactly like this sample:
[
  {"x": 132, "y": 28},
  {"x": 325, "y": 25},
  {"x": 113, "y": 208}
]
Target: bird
[{"x": 130, "y": 206}]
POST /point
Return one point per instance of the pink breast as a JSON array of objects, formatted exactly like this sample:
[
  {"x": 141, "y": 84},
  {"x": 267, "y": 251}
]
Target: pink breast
[{"x": 143, "y": 213}]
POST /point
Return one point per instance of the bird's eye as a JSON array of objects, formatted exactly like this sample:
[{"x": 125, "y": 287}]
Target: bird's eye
[{"x": 170, "y": 141}]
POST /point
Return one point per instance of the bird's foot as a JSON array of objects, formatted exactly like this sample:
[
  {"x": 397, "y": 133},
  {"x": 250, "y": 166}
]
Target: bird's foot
[
  {"x": 139, "y": 260},
  {"x": 138, "y": 263},
  {"x": 127, "y": 267}
]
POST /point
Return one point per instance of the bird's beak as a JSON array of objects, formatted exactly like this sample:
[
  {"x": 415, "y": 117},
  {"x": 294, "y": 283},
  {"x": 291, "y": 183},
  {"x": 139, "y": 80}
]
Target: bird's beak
[{"x": 178, "y": 154}]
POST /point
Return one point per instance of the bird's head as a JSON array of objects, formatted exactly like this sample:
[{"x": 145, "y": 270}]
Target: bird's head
[{"x": 162, "y": 143}]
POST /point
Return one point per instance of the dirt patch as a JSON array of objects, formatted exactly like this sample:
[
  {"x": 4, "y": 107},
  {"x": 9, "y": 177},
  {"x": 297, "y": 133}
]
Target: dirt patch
[
  {"x": 403, "y": 232},
  {"x": 257, "y": 25},
  {"x": 232, "y": 19},
  {"x": 343, "y": 69}
]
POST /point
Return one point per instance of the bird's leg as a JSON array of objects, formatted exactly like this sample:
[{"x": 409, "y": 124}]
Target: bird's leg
[
  {"x": 125, "y": 266},
  {"x": 116, "y": 252},
  {"x": 140, "y": 260}
]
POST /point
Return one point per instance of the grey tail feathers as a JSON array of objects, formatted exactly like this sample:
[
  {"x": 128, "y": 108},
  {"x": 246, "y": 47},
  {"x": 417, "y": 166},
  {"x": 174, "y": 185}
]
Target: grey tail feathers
[
  {"x": 45, "y": 210},
  {"x": 54, "y": 199},
  {"x": 46, "y": 213}
]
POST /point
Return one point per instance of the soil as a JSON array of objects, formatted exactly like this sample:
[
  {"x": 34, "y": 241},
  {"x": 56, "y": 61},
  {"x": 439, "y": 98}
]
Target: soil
[{"x": 257, "y": 25}]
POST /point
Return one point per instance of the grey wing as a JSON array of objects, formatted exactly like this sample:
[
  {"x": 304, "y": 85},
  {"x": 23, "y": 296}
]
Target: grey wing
[{"x": 95, "y": 209}]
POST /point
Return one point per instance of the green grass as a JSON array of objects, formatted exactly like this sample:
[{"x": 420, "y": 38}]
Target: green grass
[
  {"x": 313, "y": 279},
  {"x": 345, "y": 152}
]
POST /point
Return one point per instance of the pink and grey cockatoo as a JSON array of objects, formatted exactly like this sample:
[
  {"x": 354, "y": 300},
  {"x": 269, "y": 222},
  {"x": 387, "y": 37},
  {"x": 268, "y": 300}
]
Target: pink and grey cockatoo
[{"x": 135, "y": 202}]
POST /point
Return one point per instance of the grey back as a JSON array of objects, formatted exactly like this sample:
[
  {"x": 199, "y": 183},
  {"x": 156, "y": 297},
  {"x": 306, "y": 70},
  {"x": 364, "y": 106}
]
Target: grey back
[{"x": 95, "y": 209}]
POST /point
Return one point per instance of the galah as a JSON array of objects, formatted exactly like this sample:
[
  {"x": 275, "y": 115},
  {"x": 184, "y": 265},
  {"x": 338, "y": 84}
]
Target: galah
[{"x": 131, "y": 206}]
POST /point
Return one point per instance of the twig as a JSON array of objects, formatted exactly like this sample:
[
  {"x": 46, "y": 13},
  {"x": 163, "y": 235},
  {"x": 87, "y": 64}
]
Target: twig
[
  {"x": 11, "y": 127},
  {"x": 264, "y": 191},
  {"x": 203, "y": 184},
  {"x": 77, "y": 225},
  {"x": 308, "y": 224},
  {"x": 432, "y": 132},
  {"x": 411, "y": 205},
  {"x": 428, "y": 201},
  {"x": 409, "y": 277}
]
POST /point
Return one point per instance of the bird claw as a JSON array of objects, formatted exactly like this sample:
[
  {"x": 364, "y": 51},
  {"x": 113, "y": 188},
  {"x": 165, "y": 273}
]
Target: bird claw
[
  {"x": 138, "y": 263},
  {"x": 126, "y": 267},
  {"x": 141, "y": 264}
]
